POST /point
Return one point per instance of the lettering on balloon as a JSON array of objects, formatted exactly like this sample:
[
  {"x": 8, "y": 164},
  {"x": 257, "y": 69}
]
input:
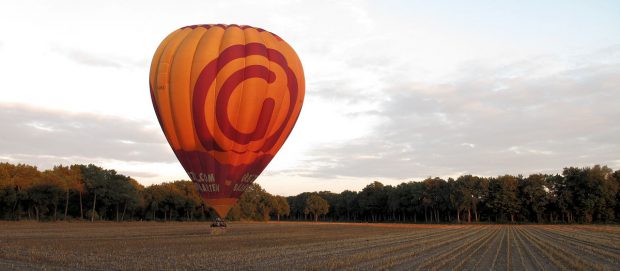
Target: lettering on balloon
[
  {"x": 201, "y": 178},
  {"x": 202, "y": 187},
  {"x": 210, "y": 187},
  {"x": 204, "y": 182},
  {"x": 246, "y": 181},
  {"x": 248, "y": 178},
  {"x": 240, "y": 187}
]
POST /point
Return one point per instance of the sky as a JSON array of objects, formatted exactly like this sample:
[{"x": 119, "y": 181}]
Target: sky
[{"x": 395, "y": 90}]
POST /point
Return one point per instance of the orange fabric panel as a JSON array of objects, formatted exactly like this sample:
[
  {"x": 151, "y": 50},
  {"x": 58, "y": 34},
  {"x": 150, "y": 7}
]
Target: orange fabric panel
[
  {"x": 207, "y": 51},
  {"x": 162, "y": 88},
  {"x": 180, "y": 94},
  {"x": 221, "y": 205}
]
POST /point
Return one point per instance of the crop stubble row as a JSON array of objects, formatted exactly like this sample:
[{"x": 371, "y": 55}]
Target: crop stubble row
[{"x": 309, "y": 246}]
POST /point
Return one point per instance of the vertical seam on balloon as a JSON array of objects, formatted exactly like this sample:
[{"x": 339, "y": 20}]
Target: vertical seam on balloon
[
  {"x": 266, "y": 92},
  {"x": 176, "y": 126},
  {"x": 215, "y": 93},
  {"x": 191, "y": 91},
  {"x": 255, "y": 164},
  {"x": 236, "y": 156},
  {"x": 168, "y": 81},
  {"x": 276, "y": 127},
  {"x": 169, "y": 63},
  {"x": 153, "y": 70},
  {"x": 282, "y": 61},
  {"x": 156, "y": 70},
  {"x": 153, "y": 83},
  {"x": 230, "y": 142},
  {"x": 203, "y": 163}
]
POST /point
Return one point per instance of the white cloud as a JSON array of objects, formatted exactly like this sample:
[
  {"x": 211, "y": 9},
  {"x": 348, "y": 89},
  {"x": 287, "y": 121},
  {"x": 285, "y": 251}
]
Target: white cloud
[
  {"x": 536, "y": 123},
  {"x": 33, "y": 133},
  {"x": 395, "y": 90}
]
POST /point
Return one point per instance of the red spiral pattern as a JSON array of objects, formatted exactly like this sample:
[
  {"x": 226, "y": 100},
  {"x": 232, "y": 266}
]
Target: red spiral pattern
[{"x": 207, "y": 78}]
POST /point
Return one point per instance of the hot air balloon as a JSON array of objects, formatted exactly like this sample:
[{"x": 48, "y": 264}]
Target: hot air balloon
[{"x": 226, "y": 97}]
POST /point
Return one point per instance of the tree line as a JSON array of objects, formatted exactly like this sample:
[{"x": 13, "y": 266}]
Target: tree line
[
  {"x": 89, "y": 192},
  {"x": 578, "y": 195}
]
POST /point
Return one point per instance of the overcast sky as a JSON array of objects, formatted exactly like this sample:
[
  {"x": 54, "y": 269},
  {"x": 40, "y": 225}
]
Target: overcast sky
[{"x": 396, "y": 90}]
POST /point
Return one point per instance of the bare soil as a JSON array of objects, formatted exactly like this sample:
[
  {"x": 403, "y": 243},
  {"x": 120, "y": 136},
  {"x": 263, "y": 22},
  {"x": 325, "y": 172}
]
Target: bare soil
[{"x": 305, "y": 246}]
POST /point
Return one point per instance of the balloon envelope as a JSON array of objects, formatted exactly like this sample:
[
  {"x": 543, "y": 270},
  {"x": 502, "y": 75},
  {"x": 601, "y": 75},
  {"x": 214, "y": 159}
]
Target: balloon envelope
[{"x": 226, "y": 97}]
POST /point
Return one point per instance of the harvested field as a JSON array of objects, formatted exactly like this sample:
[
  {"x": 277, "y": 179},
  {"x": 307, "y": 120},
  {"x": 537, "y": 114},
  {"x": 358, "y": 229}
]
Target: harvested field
[{"x": 308, "y": 246}]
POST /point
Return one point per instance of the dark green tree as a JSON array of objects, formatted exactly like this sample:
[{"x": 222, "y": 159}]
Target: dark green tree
[
  {"x": 534, "y": 197},
  {"x": 316, "y": 206},
  {"x": 373, "y": 200},
  {"x": 281, "y": 208},
  {"x": 435, "y": 198},
  {"x": 503, "y": 197},
  {"x": 347, "y": 204}
]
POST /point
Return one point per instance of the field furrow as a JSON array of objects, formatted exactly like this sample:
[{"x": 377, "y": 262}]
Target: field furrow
[
  {"x": 586, "y": 252},
  {"x": 527, "y": 261},
  {"x": 459, "y": 259},
  {"x": 430, "y": 252},
  {"x": 498, "y": 251},
  {"x": 440, "y": 260},
  {"x": 602, "y": 243},
  {"x": 557, "y": 254},
  {"x": 346, "y": 253},
  {"x": 305, "y": 246},
  {"x": 537, "y": 257},
  {"x": 412, "y": 251},
  {"x": 474, "y": 260}
]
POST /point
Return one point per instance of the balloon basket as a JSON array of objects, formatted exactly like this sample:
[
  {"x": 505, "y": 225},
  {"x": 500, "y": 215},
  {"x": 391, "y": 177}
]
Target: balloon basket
[{"x": 218, "y": 226}]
